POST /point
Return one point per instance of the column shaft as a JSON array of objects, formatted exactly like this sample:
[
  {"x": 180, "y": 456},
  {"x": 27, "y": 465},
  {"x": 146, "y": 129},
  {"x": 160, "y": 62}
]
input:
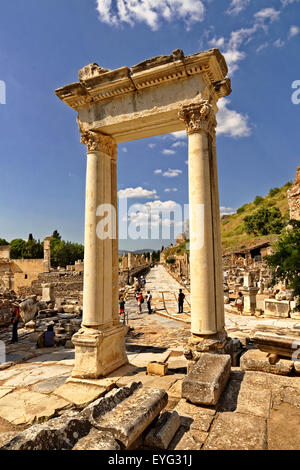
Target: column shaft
[{"x": 203, "y": 302}]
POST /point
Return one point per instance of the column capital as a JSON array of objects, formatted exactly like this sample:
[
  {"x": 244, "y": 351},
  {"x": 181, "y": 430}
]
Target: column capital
[
  {"x": 97, "y": 142},
  {"x": 199, "y": 116}
]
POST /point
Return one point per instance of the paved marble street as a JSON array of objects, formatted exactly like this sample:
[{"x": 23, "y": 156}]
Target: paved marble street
[{"x": 256, "y": 410}]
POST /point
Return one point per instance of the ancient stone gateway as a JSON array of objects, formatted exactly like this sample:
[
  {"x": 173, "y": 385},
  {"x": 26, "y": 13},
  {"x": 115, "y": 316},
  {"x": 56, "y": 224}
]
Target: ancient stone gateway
[{"x": 160, "y": 95}]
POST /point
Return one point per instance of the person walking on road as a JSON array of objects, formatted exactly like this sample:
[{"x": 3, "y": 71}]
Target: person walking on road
[
  {"x": 181, "y": 298},
  {"x": 149, "y": 300},
  {"x": 140, "y": 300}
]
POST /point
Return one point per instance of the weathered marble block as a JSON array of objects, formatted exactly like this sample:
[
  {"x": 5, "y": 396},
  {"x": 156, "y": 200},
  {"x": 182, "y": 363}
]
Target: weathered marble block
[
  {"x": 130, "y": 418},
  {"x": 277, "y": 308},
  {"x": 207, "y": 379}
]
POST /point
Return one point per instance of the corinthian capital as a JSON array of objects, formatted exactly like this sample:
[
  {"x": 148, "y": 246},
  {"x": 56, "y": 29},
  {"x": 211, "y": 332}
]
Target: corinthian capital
[
  {"x": 95, "y": 141},
  {"x": 198, "y": 117}
]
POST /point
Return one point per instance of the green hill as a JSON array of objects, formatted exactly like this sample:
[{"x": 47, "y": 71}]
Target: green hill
[{"x": 234, "y": 235}]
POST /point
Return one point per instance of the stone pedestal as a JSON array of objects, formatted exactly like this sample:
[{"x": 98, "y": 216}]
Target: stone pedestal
[
  {"x": 47, "y": 293},
  {"x": 98, "y": 352},
  {"x": 249, "y": 294}
]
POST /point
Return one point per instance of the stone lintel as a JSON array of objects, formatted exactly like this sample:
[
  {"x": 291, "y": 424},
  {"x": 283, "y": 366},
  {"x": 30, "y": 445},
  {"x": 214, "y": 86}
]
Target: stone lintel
[{"x": 97, "y": 84}]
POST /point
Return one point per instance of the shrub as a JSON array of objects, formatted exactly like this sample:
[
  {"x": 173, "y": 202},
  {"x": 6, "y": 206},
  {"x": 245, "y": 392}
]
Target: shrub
[
  {"x": 258, "y": 200},
  {"x": 264, "y": 222},
  {"x": 273, "y": 192}
]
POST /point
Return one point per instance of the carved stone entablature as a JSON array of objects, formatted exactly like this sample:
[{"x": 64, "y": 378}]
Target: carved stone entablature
[
  {"x": 97, "y": 142},
  {"x": 198, "y": 117},
  {"x": 97, "y": 85}
]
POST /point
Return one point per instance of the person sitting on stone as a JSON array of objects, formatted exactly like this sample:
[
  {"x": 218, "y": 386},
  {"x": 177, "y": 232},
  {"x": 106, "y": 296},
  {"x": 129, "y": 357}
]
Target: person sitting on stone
[{"x": 49, "y": 338}]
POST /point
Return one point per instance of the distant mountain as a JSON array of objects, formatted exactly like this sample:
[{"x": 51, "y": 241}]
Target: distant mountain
[{"x": 136, "y": 252}]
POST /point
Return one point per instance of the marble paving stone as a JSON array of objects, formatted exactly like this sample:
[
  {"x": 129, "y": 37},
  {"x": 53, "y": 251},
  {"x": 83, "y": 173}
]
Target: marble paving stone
[
  {"x": 80, "y": 394},
  {"x": 30, "y": 377},
  {"x": 50, "y": 385},
  {"x": 237, "y": 431},
  {"x": 24, "y": 407}
]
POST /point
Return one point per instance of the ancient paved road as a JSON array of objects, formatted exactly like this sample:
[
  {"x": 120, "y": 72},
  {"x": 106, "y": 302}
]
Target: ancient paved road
[{"x": 164, "y": 289}]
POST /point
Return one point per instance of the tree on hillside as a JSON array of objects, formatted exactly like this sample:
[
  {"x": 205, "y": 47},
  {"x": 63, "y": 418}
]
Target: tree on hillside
[
  {"x": 3, "y": 242},
  {"x": 285, "y": 262},
  {"x": 264, "y": 222}
]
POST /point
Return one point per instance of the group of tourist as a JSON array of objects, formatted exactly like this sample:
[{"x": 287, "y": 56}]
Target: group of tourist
[{"x": 45, "y": 340}]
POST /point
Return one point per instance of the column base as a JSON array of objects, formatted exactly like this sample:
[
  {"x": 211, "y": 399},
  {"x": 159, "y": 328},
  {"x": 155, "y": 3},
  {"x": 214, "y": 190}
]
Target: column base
[
  {"x": 219, "y": 343},
  {"x": 98, "y": 352}
]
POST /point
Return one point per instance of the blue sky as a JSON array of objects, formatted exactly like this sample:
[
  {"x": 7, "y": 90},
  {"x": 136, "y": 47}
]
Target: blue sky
[{"x": 44, "y": 43}]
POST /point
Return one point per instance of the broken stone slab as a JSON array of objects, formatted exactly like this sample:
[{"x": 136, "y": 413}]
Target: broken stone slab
[
  {"x": 57, "y": 434},
  {"x": 130, "y": 418},
  {"x": 163, "y": 432},
  {"x": 207, "y": 379},
  {"x": 100, "y": 407},
  {"x": 97, "y": 440},
  {"x": 282, "y": 341},
  {"x": 257, "y": 360}
]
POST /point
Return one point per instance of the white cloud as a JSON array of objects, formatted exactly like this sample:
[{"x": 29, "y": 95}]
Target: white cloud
[
  {"x": 179, "y": 144},
  {"x": 226, "y": 209},
  {"x": 236, "y": 6},
  {"x": 230, "y": 122},
  {"x": 231, "y": 47},
  {"x": 262, "y": 46},
  {"x": 157, "y": 172},
  {"x": 151, "y": 12},
  {"x": 179, "y": 134},
  {"x": 168, "y": 152},
  {"x": 285, "y": 3},
  {"x": 172, "y": 173},
  {"x": 294, "y": 31},
  {"x": 278, "y": 43},
  {"x": 137, "y": 193},
  {"x": 151, "y": 146},
  {"x": 215, "y": 42},
  {"x": 233, "y": 57},
  {"x": 161, "y": 206},
  {"x": 171, "y": 190},
  {"x": 124, "y": 149},
  {"x": 267, "y": 14}
]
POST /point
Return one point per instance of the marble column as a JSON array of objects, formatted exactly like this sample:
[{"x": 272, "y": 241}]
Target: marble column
[
  {"x": 207, "y": 309},
  {"x": 100, "y": 344},
  {"x": 47, "y": 254}
]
